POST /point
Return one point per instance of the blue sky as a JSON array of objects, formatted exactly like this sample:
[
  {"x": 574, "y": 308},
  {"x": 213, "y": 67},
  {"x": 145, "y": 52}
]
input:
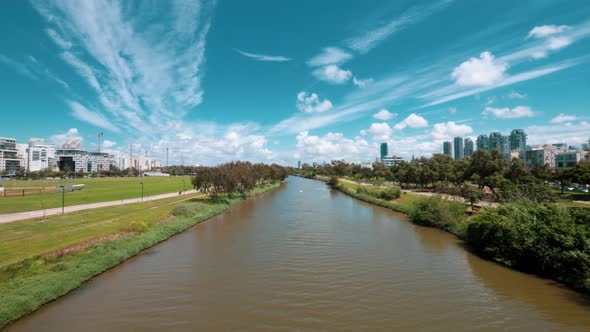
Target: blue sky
[{"x": 281, "y": 81}]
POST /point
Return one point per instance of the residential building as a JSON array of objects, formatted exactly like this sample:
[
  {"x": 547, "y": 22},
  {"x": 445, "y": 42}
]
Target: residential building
[
  {"x": 391, "y": 160},
  {"x": 517, "y": 139},
  {"x": 499, "y": 142},
  {"x": 22, "y": 155},
  {"x": 40, "y": 155},
  {"x": 545, "y": 154},
  {"x": 383, "y": 151},
  {"x": 448, "y": 149},
  {"x": 483, "y": 142},
  {"x": 468, "y": 148},
  {"x": 9, "y": 156},
  {"x": 458, "y": 147},
  {"x": 84, "y": 161},
  {"x": 568, "y": 159}
]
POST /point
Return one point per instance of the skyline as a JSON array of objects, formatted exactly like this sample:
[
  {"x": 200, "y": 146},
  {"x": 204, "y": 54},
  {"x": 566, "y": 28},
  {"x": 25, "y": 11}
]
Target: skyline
[{"x": 220, "y": 81}]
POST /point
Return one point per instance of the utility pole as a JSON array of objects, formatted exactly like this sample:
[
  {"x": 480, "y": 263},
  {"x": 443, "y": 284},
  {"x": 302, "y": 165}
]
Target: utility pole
[
  {"x": 166, "y": 157},
  {"x": 130, "y": 158},
  {"x": 181, "y": 158},
  {"x": 99, "y": 135}
]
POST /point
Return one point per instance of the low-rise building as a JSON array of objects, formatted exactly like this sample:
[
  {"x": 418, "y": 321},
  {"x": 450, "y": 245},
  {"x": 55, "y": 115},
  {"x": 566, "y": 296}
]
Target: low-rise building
[
  {"x": 544, "y": 154},
  {"x": 391, "y": 160},
  {"x": 84, "y": 161},
  {"x": 568, "y": 159},
  {"x": 40, "y": 155}
]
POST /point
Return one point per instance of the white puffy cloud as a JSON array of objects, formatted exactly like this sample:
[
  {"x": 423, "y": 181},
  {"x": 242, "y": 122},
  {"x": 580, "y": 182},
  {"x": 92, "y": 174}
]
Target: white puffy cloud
[
  {"x": 485, "y": 70},
  {"x": 547, "y": 30},
  {"x": 361, "y": 83},
  {"x": 333, "y": 146},
  {"x": 446, "y": 131},
  {"x": 413, "y": 121},
  {"x": 570, "y": 133},
  {"x": 561, "y": 118},
  {"x": 510, "y": 113},
  {"x": 384, "y": 115},
  {"x": 329, "y": 56},
  {"x": 107, "y": 144},
  {"x": 311, "y": 103},
  {"x": 59, "y": 139},
  {"x": 380, "y": 131},
  {"x": 556, "y": 43},
  {"x": 332, "y": 74}
]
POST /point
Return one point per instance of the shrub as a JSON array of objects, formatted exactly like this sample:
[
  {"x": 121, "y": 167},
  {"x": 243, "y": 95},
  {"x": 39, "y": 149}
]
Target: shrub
[
  {"x": 390, "y": 193},
  {"x": 333, "y": 182},
  {"x": 187, "y": 209},
  {"x": 548, "y": 239},
  {"x": 138, "y": 227},
  {"x": 437, "y": 212}
]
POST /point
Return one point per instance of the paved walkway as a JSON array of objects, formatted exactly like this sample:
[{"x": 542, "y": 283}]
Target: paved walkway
[{"x": 4, "y": 218}]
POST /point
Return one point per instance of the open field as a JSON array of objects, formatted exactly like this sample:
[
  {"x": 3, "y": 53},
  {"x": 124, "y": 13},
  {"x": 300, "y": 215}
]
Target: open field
[
  {"x": 29, "y": 238},
  {"x": 95, "y": 190}
]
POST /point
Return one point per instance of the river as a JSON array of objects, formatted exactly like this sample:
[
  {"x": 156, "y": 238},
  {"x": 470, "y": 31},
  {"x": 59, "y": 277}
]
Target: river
[{"x": 306, "y": 258}]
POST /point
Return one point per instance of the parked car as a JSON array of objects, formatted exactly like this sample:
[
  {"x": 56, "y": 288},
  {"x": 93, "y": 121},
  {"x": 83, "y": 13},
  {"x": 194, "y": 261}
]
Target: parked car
[
  {"x": 567, "y": 188},
  {"x": 582, "y": 190}
]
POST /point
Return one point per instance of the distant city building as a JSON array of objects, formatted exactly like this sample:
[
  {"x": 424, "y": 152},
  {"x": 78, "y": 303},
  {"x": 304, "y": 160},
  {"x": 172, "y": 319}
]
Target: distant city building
[
  {"x": 517, "y": 139},
  {"x": 383, "y": 152},
  {"x": 22, "y": 155},
  {"x": 458, "y": 147},
  {"x": 84, "y": 161},
  {"x": 468, "y": 148},
  {"x": 299, "y": 164},
  {"x": 391, "y": 160},
  {"x": 568, "y": 159},
  {"x": 500, "y": 143},
  {"x": 40, "y": 155},
  {"x": 9, "y": 156},
  {"x": 547, "y": 154},
  {"x": 483, "y": 142},
  {"x": 448, "y": 148}
]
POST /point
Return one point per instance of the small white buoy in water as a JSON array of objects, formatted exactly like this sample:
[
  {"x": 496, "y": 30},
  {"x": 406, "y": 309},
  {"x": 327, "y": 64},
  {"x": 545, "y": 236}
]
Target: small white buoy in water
[{"x": 300, "y": 190}]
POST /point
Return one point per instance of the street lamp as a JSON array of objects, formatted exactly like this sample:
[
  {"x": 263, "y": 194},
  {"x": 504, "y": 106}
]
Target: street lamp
[
  {"x": 183, "y": 186},
  {"x": 63, "y": 197},
  {"x": 141, "y": 191}
]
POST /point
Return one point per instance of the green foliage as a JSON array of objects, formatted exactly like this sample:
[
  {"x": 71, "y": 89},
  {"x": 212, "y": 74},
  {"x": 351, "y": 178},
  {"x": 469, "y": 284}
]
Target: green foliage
[
  {"x": 548, "y": 239},
  {"x": 333, "y": 181},
  {"x": 438, "y": 212},
  {"x": 188, "y": 209},
  {"x": 388, "y": 193},
  {"x": 138, "y": 227}
]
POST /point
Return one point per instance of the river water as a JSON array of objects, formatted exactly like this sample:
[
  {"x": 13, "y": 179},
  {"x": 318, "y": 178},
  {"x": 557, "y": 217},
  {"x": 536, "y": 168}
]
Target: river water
[{"x": 305, "y": 258}]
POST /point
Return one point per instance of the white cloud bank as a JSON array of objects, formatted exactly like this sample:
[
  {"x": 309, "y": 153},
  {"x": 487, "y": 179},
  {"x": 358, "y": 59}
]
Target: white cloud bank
[
  {"x": 485, "y": 70},
  {"x": 311, "y": 103},
  {"x": 561, "y": 118},
  {"x": 510, "y": 113},
  {"x": 413, "y": 121}
]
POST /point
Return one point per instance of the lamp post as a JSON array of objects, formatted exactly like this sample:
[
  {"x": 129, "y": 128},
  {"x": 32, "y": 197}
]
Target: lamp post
[
  {"x": 63, "y": 197},
  {"x": 141, "y": 191},
  {"x": 183, "y": 186}
]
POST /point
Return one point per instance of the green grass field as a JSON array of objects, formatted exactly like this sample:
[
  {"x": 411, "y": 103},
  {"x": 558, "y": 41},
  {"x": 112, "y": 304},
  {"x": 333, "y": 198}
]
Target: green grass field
[
  {"x": 95, "y": 190},
  {"x": 28, "y": 238}
]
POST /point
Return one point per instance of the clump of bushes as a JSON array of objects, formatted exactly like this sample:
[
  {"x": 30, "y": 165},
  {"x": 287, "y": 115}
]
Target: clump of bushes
[
  {"x": 138, "y": 227},
  {"x": 187, "y": 209},
  {"x": 547, "y": 239},
  {"x": 438, "y": 212},
  {"x": 333, "y": 182},
  {"x": 387, "y": 194}
]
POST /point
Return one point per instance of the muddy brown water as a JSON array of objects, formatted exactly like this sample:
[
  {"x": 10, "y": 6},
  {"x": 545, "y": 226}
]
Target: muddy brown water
[{"x": 305, "y": 258}]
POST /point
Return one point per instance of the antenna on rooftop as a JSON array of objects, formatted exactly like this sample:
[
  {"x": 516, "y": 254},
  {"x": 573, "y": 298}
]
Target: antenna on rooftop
[{"x": 99, "y": 135}]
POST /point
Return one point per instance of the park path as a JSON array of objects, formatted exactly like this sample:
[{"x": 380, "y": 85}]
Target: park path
[
  {"x": 5, "y": 218},
  {"x": 421, "y": 193}
]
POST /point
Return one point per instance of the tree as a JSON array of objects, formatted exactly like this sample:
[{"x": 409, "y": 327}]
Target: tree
[{"x": 472, "y": 195}]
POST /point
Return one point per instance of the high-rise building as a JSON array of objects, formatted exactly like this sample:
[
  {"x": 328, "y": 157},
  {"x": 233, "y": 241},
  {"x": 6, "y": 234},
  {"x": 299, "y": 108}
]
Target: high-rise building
[
  {"x": 500, "y": 142},
  {"x": 483, "y": 142},
  {"x": 40, "y": 155},
  {"x": 8, "y": 155},
  {"x": 468, "y": 149},
  {"x": 448, "y": 148},
  {"x": 383, "y": 151},
  {"x": 458, "y": 147},
  {"x": 517, "y": 140},
  {"x": 299, "y": 164}
]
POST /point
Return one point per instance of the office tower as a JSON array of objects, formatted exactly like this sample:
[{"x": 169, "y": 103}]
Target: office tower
[{"x": 458, "y": 147}]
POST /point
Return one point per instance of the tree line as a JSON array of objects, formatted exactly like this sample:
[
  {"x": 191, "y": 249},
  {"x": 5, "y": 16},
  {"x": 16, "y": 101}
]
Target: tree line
[
  {"x": 235, "y": 177},
  {"x": 506, "y": 179}
]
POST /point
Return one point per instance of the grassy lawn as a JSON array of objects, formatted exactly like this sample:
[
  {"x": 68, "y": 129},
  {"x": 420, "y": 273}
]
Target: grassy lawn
[
  {"x": 29, "y": 238},
  {"x": 95, "y": 190}
]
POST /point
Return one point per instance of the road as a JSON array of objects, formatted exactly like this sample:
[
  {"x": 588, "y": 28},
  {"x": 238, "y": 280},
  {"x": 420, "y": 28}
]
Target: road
[{"x": 5, "y": 218}]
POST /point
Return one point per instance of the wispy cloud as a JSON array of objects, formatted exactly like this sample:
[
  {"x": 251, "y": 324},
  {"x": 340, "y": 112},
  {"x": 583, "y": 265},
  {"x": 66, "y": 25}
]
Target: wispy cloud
[
  {"x": 33, "y": 69},
  {"x": 263, "y": 57},
  {"x": 94, "y": 118},
  {"x": 329, "y": 56},
  {"x": 368, "y": 40}
]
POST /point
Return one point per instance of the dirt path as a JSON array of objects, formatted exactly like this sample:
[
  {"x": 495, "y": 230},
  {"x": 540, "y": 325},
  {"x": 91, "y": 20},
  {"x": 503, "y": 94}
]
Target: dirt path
[{"x": 4, "y": 218}]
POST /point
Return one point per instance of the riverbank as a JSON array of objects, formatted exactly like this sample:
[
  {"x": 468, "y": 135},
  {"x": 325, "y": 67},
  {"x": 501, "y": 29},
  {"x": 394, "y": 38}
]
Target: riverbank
[
  {"x": 29, "y": 283},
  {"x": 546, "y": 239}
]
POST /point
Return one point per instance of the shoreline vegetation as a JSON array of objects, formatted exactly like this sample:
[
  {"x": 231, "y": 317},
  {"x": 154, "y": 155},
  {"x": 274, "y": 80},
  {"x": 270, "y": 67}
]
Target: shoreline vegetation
[
  {"x": 29, "y": 283},
  {"x": 547, "y": 239}
]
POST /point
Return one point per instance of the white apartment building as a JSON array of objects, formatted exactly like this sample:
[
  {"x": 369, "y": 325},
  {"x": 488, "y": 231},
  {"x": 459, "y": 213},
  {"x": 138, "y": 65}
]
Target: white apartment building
[
  {"x": 391, "y": 160},
  {"x": 22, "y": 155},
  {"x": 40, "y": 155},
  {"x": 9, "y": 156}
]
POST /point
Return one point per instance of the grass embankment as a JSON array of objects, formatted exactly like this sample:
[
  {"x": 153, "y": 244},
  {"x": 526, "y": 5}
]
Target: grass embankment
[
  {"x": 548, "y": 239},
  {"x": 95, "y": 190},
  {"x": 31, "y": 282}
]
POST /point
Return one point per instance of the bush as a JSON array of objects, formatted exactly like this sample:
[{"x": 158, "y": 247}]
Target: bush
[
  {"x": 138, "y": 227},
  {"x": 333, "y": 182},
  {"x": 437, "y": 212},
  {"x": 547, "y": 239},
  {"x": 188, "y": 209},
  {"x": 390, "y": 193}
]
